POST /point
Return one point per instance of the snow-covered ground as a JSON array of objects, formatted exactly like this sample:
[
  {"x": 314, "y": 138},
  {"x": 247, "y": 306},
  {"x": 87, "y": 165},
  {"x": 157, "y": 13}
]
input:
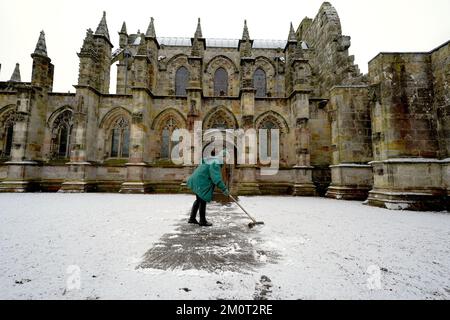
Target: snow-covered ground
[{"x": 105, "y": 246}]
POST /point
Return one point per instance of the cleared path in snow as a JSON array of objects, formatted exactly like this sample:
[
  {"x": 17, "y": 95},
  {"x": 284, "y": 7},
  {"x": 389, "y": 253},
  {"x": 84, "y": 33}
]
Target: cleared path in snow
[
  {"x": 139, "y": 247},
  {"x": 227, "y": 246}
]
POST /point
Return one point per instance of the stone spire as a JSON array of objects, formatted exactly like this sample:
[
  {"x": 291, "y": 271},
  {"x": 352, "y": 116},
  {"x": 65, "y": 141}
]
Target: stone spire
[
  {"x": 292, "y": 37},
  {"x": 15, "y": 77},
  {"x": 245, "y": 44},
  {"x": 292, "y": 42},
  {"x": 102, "y": 29},
  {"x": 124, "y": 29},
  {"x": 123, "y": 36},
  {"x": 198, "y": 32},
  {"x": 245, "y": 34},
  {"x": 41, "y": 47},
  {"x": 151, "y": 29},
  {"x": 198, "y": 42}
]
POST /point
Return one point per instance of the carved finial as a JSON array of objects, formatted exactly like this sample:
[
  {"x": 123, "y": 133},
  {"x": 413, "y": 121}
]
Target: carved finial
[{"x": 88, "y": 43}]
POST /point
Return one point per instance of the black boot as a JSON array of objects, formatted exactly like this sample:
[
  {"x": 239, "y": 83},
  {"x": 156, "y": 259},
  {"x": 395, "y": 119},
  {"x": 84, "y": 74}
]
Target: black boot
[
  {"x": 192, "y": 219},
  {"x": 203, "y": 222}
]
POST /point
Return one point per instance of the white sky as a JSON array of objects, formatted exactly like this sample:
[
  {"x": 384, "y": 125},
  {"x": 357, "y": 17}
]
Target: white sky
[{"x": 374, "y": 25}]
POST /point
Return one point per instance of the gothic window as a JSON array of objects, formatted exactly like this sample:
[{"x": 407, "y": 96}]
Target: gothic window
[
  {"x": 221, "y": 82},
  {"x": 61, "y": 134},
  {"x": 7, "y": 142},
  {"x": 63, "y": 139},
  {"x": 167, "y": 144},
  {"x": 7, "y": 121},
  {"x": 120, "y": 139},
  {"x": 269, "y": 125},
  {"x": 181, "y": 81},
  {"x": 220, "y": 119},
  {"x": 259, "y": 80}
]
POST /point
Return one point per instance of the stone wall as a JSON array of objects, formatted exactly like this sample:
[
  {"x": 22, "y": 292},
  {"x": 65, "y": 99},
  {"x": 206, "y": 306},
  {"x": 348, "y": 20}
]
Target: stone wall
[
  {"x": 440, "y": 66},
  {"x": 408, "y": 123},
  {"x": 331, "y": 62},
  {"x": 402, "y": 113},
  {"x": 351, "y": 135}
]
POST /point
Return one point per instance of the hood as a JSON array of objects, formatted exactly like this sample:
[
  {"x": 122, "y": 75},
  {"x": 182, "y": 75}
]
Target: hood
[{"x": 211, "y": 160}]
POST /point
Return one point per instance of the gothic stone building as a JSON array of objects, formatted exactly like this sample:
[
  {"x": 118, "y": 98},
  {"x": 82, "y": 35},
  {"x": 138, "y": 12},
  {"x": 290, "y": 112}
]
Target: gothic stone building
[{"x": 383, "y": 137}]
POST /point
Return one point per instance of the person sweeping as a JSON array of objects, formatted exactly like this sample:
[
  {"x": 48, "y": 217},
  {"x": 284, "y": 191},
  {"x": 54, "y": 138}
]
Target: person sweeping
[{"x": 203, "y": 182}]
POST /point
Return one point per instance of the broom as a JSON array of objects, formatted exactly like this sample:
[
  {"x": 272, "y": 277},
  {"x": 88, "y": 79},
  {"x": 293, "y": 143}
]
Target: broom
[{"x": 254, "y": 222}]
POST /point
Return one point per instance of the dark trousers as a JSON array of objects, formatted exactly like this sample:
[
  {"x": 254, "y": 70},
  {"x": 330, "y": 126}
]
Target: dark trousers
[{"x": 199, "y": 205}]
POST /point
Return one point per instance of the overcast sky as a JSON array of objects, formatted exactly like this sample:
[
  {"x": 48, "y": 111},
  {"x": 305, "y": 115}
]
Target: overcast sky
[{"x": 374, "y": 25}]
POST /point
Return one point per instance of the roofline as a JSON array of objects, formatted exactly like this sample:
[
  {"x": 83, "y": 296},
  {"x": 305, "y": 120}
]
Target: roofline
[
  {"x": 411, "y": 52},
  {"x": 282, "y": 43}
]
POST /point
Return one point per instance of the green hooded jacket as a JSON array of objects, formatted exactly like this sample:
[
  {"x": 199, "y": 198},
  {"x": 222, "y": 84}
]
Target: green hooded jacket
[{"x": 205, "y": 178}]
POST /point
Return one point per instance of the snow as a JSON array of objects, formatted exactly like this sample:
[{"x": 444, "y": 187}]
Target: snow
[
  {"x": 397, "y": 206},
  {"x": 309, "y": 248}
]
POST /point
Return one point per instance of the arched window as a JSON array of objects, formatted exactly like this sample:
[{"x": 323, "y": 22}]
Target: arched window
[
  {"x": 167, "y": 144},
  {"x": 120, "y": 139},
  {"x": 260, "y": 83},
  {"x": 61, "y": 133},
  {"x": 181, "y": 81},
  {"x": 269, "y": 125},
  {"x": 7, "y": 121},
  {"x": 8, "y": 140},
  {"x": 221, "y": 82},
  {"x": 63, "y": 139}
]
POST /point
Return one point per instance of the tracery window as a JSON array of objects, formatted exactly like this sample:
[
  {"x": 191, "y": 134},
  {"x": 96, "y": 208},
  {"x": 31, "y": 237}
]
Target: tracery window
[
  {"x": 61, "y": 135},
  {"x": 181, "y": 81},
  {"x": 167, "y": 144},
  {"x": 120, "y": 139},
  {"x": 221, "y": 82},
  {"x": 260, "y": 83},
  {"x": 220, "y": 119},
  {"x": 269, "y": 125}
]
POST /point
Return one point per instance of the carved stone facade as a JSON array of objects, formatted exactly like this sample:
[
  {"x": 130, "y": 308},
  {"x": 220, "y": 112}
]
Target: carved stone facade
[{"x": 383, "y": 137}]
